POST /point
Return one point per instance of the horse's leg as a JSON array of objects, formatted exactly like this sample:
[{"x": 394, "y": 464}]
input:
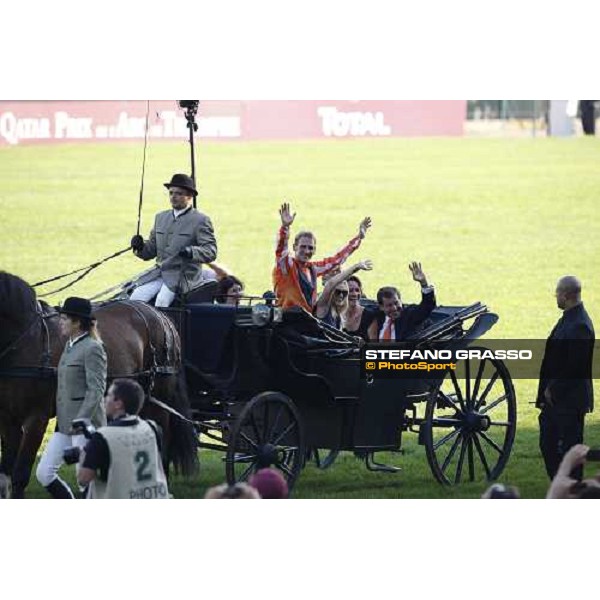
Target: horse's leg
[
  {"x": 34, "y": 428},
  {"x": 10, "y": 432}
]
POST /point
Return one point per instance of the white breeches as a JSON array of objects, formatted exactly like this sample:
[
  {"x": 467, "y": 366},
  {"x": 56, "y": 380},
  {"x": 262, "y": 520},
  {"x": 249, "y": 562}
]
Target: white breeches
[
  {"x": 52, "y": 459},
  {"x": 147, "y": 291}
]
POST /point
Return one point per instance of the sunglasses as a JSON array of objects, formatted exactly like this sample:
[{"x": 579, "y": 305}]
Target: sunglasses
[{"x": 341, "y": 293}]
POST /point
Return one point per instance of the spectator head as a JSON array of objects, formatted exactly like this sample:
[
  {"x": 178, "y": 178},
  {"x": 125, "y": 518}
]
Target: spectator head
[
  {"x": 339, "y": 299},
  {"x": 389, "y": 301},
  {"x": 124, "y": 396},
  {"x": 355, "y": 289},
  {"x": 229, "y": 290},
  {"x": 238, "y": 491},
  {"x": 305, "y": 245},
  {"x": 499, "y": 491},
  {"x": 568, "y": 292},
  {"x": 269, "y": 297},
  {"x": 270, "y": 484}
]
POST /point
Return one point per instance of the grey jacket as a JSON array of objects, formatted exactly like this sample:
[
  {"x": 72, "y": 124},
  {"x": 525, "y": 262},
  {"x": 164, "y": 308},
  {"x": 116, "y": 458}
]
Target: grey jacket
[
  {"x": 81, "y": 384},
  {"x": 169, "y": 236}
]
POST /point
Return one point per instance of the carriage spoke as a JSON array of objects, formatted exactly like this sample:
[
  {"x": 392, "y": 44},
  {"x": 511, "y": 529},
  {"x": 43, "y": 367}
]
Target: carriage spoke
[
  {"x": 447, "y": 398},
  {"x": 471, "y": 461},
  {"x": 488, "y": 387},
  {"x": 493, "y": 404},
  {"x": 478, "y": 380},
  {"x": 457, "y": 390},
  {"x": 266, "y": 423},
  {"x": 275, "y": 425},
  {"x": 250, "y": 441},
  {"x": 461, "y": 460},
  {"x": 247, "y": 472},
  {"x": 468, "y": 399},
  {"x": 255, "y": 427},
  {"x": 446, "y": 438},
  {"x": 482, "y": 457},
  {"x": 491, "y": 442},
  {"x": 284, "y": 433},
  {"x": 500, "y": 424},
  {"x": 450, "y": 454}
]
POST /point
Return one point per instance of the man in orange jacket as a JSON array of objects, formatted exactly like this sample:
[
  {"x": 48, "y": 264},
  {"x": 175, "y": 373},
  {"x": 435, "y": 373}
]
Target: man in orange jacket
[{"x": 295, "y": 278}]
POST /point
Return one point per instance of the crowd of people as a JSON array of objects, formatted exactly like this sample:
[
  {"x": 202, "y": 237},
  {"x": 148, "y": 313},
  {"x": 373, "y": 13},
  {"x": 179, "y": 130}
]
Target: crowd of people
[{"x": 122, "y": 458}]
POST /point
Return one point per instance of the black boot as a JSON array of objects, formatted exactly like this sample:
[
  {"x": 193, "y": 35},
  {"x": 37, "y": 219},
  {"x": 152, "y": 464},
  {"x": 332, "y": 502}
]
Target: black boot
[{"x": 59, "y": 490}]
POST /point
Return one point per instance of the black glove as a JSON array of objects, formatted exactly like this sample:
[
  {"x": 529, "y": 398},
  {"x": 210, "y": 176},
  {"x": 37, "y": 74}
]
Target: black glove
[
  {"x": 137, "y": 243},
  {"x": 186, "y": 252}
]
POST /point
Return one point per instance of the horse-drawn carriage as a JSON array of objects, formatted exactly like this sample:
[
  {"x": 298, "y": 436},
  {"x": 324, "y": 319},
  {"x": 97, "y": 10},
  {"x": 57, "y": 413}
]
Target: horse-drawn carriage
[
  {"x": 265, "y": 386},
  {"x": 277, "y": 388}
]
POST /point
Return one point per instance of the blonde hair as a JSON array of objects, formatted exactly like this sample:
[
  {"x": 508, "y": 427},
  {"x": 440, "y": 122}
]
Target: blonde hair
[
  {"x": 89, "y": 326},
  {"x": 343, "y": 311}
]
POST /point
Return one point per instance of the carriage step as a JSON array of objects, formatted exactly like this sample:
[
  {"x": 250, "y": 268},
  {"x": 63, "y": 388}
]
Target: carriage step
[{"x": 373, "y": 465}]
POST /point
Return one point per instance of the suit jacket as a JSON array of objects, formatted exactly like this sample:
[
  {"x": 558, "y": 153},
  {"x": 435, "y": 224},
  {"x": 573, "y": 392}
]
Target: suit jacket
[
  {"x": 411, "y": 317},
  {"x": 567, "y": 363},
  {"x": 169, "y": 236},
  {"x": 81, "y": 384}
]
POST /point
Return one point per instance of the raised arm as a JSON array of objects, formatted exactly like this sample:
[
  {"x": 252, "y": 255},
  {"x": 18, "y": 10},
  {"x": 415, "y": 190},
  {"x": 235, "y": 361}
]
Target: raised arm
[
  {"x": 282, "y": 256},
  {"x": 322, "y": 267},
  {"x": 220, "y": 270},
  {"x": 428, "y": 301},
  {"x": 325, "y": 298}
]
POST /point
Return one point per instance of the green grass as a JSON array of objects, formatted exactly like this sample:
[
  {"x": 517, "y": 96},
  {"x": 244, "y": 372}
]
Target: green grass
[{"x": 491, "y": 220}]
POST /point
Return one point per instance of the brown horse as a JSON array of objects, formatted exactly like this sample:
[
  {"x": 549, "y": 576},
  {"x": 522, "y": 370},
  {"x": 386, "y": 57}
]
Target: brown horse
[{"x": 140, "y": 342}]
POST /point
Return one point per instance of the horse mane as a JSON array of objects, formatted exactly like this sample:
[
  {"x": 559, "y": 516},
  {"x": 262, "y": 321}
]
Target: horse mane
[{"x": 17, "y": 297}]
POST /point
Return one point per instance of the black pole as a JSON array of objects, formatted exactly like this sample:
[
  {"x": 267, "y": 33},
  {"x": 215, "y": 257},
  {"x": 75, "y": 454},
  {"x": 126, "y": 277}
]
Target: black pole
[{"x": 191, "y": 109}]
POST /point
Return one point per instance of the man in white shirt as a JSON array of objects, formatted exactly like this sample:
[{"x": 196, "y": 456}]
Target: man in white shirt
[{"x": 396, "y": 321}]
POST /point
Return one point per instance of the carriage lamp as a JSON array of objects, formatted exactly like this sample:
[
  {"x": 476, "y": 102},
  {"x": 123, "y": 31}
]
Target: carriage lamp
[{"x": 263, "y": 315}]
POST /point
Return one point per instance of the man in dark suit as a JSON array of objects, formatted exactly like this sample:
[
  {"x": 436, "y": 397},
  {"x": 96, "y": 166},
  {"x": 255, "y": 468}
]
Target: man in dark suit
[
  {"x": 565, "y": 392},
  {"x": 396, "y": 321}
]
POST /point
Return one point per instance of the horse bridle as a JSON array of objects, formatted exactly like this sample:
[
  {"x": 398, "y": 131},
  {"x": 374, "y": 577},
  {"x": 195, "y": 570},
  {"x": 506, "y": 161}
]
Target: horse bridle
[{"x": 44, "y": 368}]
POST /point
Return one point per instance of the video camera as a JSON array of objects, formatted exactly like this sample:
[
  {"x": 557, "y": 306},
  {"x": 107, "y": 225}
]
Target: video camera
[
  {"x": 79, "y": 426},
  {"x": 189, "y": 104}
]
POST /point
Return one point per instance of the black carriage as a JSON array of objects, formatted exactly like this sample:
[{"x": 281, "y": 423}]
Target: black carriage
[{"x": 273, "y": 388}]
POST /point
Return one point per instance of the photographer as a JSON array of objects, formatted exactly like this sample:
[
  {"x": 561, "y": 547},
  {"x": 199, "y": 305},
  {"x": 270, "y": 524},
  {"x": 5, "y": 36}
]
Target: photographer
[
  {"x": 566, "y": 485},
  {"x": 123, "y": 459}
]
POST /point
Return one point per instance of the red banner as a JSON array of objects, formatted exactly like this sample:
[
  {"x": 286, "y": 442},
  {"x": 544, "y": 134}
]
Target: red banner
[{"x": 78, "y": 121}]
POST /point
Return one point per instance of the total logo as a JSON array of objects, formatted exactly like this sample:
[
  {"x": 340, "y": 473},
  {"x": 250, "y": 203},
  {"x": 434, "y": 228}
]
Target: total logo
[{"x": 341, "y": 124}]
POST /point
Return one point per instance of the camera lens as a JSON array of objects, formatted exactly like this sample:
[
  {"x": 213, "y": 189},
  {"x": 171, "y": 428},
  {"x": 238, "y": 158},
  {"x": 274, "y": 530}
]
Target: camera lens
[{"x": 71, "y": 455}]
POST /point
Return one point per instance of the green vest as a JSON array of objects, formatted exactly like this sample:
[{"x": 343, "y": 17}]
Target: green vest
[{"x": 135, "y": 470}]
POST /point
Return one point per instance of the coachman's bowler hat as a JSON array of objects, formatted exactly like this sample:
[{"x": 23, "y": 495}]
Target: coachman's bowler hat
[
  {"x": 182, "y": 181},
  {"x": 77, "y": 307}
]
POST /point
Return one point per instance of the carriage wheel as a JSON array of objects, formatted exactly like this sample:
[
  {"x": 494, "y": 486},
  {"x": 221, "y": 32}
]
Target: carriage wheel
[
  {"x": 267, "y": 433},
  {"x": 470, "y": 422}
]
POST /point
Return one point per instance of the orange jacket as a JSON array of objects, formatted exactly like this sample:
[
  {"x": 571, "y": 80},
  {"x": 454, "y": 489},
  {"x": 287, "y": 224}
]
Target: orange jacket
[{"x": 297, "y": 286}]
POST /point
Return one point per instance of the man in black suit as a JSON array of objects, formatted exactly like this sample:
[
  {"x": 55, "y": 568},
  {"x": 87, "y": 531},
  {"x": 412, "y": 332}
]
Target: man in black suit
[
  {"x": 395, "y": 321},
  {"x": 565, "y": 392}
]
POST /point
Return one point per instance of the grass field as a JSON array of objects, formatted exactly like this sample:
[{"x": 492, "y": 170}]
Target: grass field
[{"x": 491, "y": 220}]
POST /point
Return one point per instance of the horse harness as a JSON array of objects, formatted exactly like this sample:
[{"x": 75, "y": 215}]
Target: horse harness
[
  {"x": 43, "y": 371},
  {"x": 156, "y": 369}
]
